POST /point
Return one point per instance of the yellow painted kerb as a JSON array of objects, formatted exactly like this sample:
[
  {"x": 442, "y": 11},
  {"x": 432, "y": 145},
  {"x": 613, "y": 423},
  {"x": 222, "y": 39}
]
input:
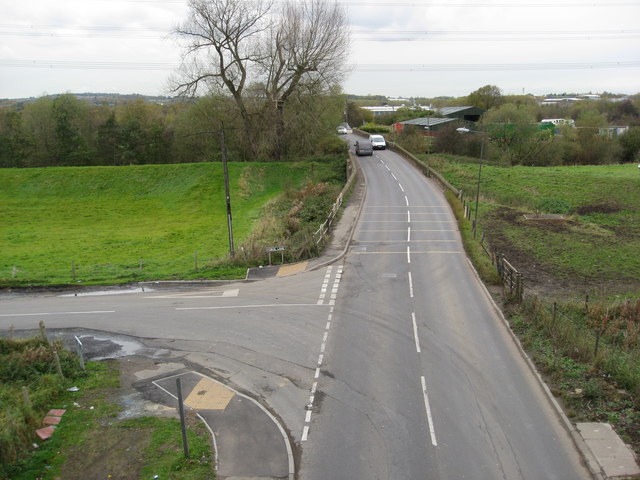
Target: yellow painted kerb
[
  {"x": 291, "y": 269},
  {"x": 209, "y": 395}
]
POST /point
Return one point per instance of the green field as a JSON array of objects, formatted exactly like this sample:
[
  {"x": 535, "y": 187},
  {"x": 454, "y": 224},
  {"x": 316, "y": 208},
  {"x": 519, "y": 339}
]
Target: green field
[
  {"x": 122, "y": 224},
  {"x": 595, "y": 249}
]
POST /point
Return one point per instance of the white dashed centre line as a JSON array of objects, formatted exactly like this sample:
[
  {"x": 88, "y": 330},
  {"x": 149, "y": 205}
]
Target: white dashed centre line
[
  {"x": 415, "y": 331},
  {"x": 323, "y": 345},
  {"x": 429, "y": 417}
]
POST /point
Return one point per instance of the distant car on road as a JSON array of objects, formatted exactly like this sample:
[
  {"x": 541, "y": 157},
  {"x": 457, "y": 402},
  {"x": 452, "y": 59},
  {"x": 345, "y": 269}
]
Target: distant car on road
[
  {"x": 342, "y": 130},
  {"x": 378, "y": 142},
  {"x": 363, "y": 147}
]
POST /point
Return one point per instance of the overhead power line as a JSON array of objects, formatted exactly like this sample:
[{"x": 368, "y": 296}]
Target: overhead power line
[
  {"x": 84, "y": 65},
  {"x": 71, "y": 31},
  {"x": 475, "y": 67},
  {"x": 428, "y": 3}
]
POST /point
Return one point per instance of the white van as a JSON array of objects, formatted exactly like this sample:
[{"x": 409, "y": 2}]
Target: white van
[{"x": 378, "y": 142}]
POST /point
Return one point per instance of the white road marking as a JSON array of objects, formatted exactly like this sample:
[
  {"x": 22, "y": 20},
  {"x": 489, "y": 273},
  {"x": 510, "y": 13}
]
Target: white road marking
[
  {"x": 394, "y": 176},
  {"x": 409, "y": 234},
  {"x": 415, "y": 221},
  {"x": 415, "y": 331},
  {"x": 402, "y": 230},
  {"x": 415, "y": 241},
  {"x": 408, "y": 254},
  {"x": 269, "y": 305},
  {"x": 201, "y": 294},
  {"x": 406, "y": 200},
  {"x": 401, "y": 187},
  {"x": 323, "y": 346},
  {"x": 38, "y": 314},
  {"x": 354, "y": 252},
  {"x": 428, "y": 408},
  {"x": 409, "y": 216},
  {"x": 410, "y": 286}
]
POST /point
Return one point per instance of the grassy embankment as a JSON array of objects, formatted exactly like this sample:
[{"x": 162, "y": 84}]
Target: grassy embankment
[
  {"x": 90, "y": 441},
  {"x": 595, "y": 251},
  {"x": 587, "y": 347},
  {"x": 100, "y": 225}
]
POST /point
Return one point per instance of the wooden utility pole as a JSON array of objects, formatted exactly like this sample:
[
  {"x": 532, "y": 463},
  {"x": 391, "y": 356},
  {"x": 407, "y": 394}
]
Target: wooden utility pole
[{"x": 226, "y": 188}]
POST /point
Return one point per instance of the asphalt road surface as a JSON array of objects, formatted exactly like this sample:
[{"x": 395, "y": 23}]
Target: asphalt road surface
[
  {"x": 421, "y": 379},
  {"x": 391, "y": 364}
]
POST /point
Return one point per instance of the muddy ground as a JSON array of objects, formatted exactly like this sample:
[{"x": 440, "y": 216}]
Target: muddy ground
[{"x": 544, "y": 278}]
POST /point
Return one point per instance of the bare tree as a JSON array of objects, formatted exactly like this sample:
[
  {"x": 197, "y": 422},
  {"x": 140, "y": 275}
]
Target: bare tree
[
  {"x": 306, "y": 54},
  {"x": 262, "y": 57}
]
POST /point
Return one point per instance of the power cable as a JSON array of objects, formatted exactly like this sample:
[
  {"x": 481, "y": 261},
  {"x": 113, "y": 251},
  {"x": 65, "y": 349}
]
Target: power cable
[{"x": 95, "y": 65}]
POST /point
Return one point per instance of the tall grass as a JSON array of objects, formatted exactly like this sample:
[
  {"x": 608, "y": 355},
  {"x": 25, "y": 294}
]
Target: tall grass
[
  {"x": 603, "y": 335},
  {"x": 29, "y": 384},
  {"x": 475, "y": 252}
]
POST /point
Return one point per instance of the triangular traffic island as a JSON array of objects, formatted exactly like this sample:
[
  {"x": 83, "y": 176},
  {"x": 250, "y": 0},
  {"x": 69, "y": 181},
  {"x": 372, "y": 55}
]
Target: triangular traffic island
[{"x": 250, "y": 442}]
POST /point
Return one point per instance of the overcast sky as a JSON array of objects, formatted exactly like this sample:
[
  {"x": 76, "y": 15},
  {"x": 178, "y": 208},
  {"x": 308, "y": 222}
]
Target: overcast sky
[{"x": 415, "y": 48}]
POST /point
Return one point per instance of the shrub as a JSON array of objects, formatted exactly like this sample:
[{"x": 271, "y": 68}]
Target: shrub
[
  {"x": 553, "y": 205},
  {"x": 331, "y": 145},
  {"x": 373, "y": 128}
]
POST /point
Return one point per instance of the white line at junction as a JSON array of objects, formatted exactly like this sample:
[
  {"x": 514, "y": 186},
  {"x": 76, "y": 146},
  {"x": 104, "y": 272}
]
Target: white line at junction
[
  {"x": 269, "y": 305},
  {"x": 37, "y": 314}
]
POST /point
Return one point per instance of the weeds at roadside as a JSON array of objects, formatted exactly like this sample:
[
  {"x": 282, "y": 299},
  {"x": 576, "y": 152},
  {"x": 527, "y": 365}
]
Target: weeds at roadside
[
  {"x": 600, "y": 386},
  {"x": 89, "y": 442}
]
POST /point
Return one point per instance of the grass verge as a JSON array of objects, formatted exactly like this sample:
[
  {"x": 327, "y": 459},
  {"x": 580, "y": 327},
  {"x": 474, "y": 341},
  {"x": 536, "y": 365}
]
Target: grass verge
[{"x": 475, "y": 252}]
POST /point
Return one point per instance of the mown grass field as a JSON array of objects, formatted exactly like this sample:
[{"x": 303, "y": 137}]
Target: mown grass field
[
  {"x": 122, "y": 224},
  {"x": 595, "y": 251}
]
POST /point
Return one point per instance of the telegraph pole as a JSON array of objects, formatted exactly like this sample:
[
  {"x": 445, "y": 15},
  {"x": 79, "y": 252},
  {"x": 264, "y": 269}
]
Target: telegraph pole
[{"x": 226, "y": 188}]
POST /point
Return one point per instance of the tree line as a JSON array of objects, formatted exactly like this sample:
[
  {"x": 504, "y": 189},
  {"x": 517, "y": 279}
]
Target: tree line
[
  {"x": 511, "y": 133},
  {"x": 267, "y": 73},
  {"x": 64, "y": 130}
]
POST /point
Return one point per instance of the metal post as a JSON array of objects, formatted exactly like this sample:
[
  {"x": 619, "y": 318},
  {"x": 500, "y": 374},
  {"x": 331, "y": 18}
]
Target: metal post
[
  {"x": 80, "y": 352},
  {"x": 185, "y": 443},
  {"x": 475, "y": 216},
  {"x": 226, "y": 188}
]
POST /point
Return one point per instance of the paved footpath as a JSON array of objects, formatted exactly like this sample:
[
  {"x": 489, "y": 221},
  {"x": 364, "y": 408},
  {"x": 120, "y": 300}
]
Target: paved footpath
[{"x": 250, "y": 443}]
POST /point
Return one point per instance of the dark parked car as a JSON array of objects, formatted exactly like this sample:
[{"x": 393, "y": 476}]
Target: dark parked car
[{"x": 363, "y": 147}]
